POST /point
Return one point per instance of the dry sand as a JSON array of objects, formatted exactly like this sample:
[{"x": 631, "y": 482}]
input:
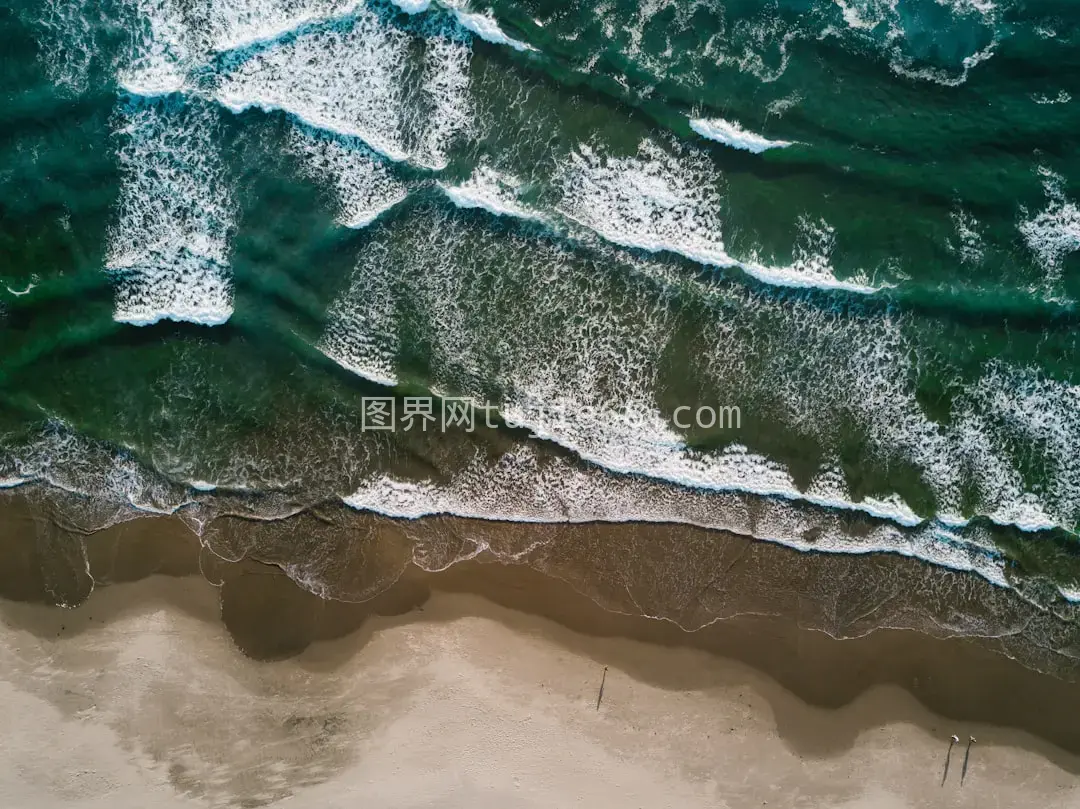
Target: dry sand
[{"x": 140, "y": 698}]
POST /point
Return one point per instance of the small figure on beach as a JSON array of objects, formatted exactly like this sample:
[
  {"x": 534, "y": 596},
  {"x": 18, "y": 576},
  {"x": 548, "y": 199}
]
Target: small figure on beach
[
  {"x": 954, "y": 740},
  {"x": 967, "y": 756},
  {"x": 600, "y": 696}
]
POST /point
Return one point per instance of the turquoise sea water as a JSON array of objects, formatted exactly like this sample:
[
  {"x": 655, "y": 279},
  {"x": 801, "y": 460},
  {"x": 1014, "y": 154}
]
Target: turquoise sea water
[{"x": 849, "y": 227}]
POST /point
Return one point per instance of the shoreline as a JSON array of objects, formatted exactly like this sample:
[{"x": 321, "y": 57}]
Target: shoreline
[
  {"x": 463, "y": 701},
  {"x": 270, "y": 617}
]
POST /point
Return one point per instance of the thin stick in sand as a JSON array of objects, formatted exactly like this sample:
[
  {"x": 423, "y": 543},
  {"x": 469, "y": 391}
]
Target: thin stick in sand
[
  {"x": 600, "y": 696},
  {"x": 948, "y": 756},
  {"x": 967, "y": 755}
]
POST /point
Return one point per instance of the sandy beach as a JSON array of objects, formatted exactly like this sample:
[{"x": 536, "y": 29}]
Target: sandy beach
[
  {"x": 548, "y": 404},
  {"x": 142, "y": 696}
]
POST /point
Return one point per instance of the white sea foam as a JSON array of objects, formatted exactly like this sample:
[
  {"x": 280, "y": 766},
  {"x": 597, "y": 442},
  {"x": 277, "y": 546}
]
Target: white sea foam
[
  {"x": 71, "y": 463},
  {"x": 235, "y": 24},
  {"x": 587, "y": 386},
  {"x": 518, "y": 487},
  {"x": 365, "y": 188},
  {"x": 346, "y": 81},
  {"x": 883, "y": 24},
  {"x": 11, "y": 482},
  {"x": 864, "y": 17},
  {"x": 780, "y": 106},
  {"x": 347, "y": 78},
  {"x": 970, "y": 245},
  {"x": 69, "y": 42},
  {"x": 903, "y": 67},
  {"x": 361, "y": 333},
  {"x": 731, "y": 134},
  {"x": 493, "y": 192},
  {"x": 1008, "y": 419},
  {"x": 1071, "y": 594},
  {"x": 811, "y": 265},
  {"x": 659, "y": 201},
  {"x": 485, "y": 26},
  {"x": 446, "y": 88},
  {"x": 168, "y": 249},
  {"x": 162, "y": 52},
  {"x": 807, "y": 272},
  {"x": 412, "y": 6},
  {"x": 652, "y": 201},
  {"x": 350, "y": 78},
  {"x": 1041, "y": 418},
  {"x": 1061, "y": 98},
  {"x": 1053, "y": 233},
  {"x": 558, "y": 399},
  {"x": 19, "y": 293}
]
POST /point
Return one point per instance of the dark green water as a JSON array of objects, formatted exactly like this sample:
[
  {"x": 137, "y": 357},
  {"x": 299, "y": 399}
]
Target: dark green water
[{"x": 849, "y": 229}]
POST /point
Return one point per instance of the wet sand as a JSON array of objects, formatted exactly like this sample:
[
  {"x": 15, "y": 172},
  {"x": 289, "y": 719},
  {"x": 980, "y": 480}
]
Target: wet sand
[
  {"x": 139, "y": 698},
  {"x": 227, "y": 684}
]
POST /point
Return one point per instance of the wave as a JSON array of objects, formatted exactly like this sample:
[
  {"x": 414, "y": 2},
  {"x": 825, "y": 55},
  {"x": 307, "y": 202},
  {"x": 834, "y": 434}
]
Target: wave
[
  {"x": 731, "y": 134},
  {"x": 374, "y": 94},
  {"x": 412, "y": 6},
  {"x": 337, "y": 346},
  {"x": 643, "y": 444},
  {"x": 524, "y": 487},
  {"x": 360, "y": 334},
  {"x": 364, "y": 187},
  {"x": 486, "y": 27},
  {"x": 21, "y": 293},
  {"x": 326, "y": 80},
  {"x": 168, "y": 251},
  {"x": 161, "y": 53},
  {"x": 445, "y": 86},
  {"x": 520, "y": 487},
  {"x": 491, "y": 191},
  {"x": 1053, "y": 233},
  {"x": 349, "y": 80},
  {"x": 174, "y": 41},
  {"x": 235, "y": 25},
  {"x": 969, "y": 30},
  {"x": 795, "y": 277},
  {"x": 346, "y": 81},
  {"x": 643, "y": 206},
  {"x": 590, "y": 386},
  {"x": 663, "y": 202}
]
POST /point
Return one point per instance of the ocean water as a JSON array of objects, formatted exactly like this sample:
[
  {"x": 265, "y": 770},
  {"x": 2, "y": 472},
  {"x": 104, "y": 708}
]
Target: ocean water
[{"x": 805, "y": 271}]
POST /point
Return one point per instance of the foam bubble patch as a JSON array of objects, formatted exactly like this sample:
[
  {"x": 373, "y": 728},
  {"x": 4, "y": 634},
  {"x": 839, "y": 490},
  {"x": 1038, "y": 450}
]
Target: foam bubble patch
[
  {"x": 365, "y": 188},
  {"x": 661, "y": 201},
  {"x": 485, "y": 26},
  {"x": 446, "y": 89},
  {"x": 733, "y": 135},
  {"x": 345, "y": 80},
  {"x": 361, "y": 335},
  {"x": 491, "y": 191},
  {"x": 1053, "y": 233},
  {"x": 168, "y": 249},
  {"x": 162, "y": 51}
]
